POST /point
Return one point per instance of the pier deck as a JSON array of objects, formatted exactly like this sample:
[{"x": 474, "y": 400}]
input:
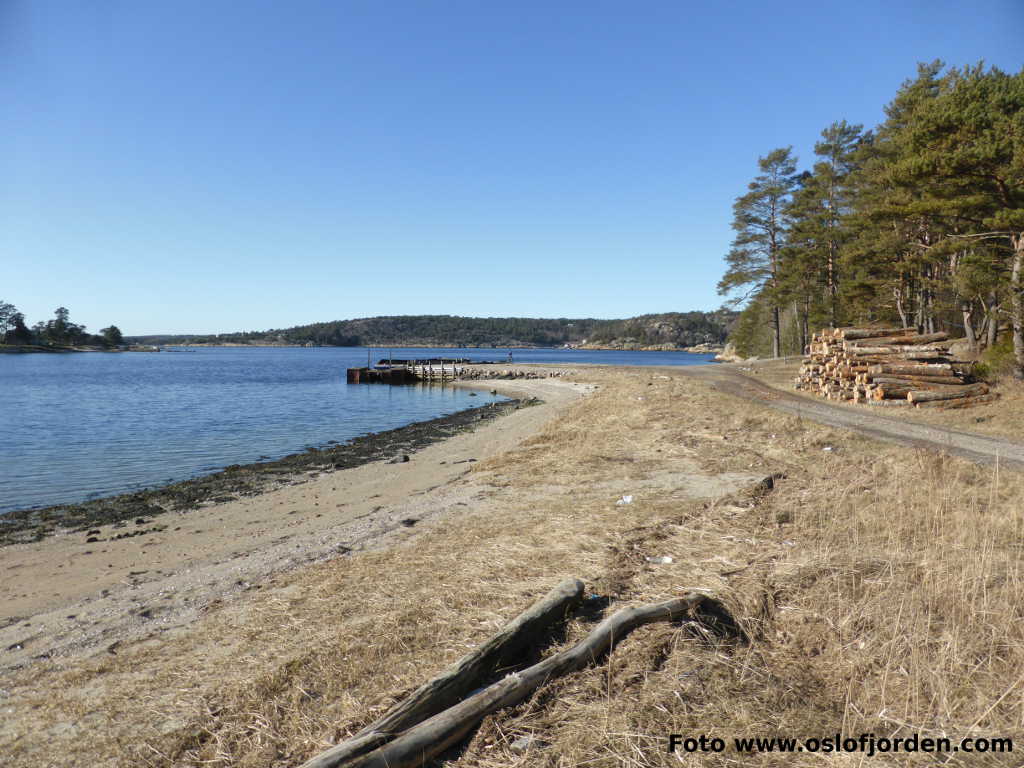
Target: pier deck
[{"x": 404, "y": 374}]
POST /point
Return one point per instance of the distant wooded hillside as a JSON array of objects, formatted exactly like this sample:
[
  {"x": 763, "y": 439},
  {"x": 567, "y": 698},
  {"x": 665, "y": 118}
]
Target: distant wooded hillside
[{"x": 681, "y": 329}]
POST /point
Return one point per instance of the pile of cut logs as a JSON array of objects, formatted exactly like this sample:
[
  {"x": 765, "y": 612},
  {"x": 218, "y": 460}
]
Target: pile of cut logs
[{"x": 889, "y": 367}]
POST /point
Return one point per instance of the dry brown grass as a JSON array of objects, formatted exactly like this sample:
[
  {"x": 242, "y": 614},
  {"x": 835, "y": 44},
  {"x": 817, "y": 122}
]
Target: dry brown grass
[{"x": 882, "y": 590}]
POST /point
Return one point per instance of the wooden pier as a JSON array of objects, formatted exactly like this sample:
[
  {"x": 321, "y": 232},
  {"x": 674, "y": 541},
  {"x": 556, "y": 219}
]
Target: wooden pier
[
  {"x": 398, "y": 374},
  {"x": 409, "y": 372},
  {"x": 432, "y": 372}
]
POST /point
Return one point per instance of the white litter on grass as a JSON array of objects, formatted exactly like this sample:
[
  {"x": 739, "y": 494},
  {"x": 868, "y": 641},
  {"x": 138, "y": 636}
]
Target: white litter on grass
[
  {"x": 523, "y": 743},
  {"x": 624, "y": 500},
  {"x": 663, "y": 560}
]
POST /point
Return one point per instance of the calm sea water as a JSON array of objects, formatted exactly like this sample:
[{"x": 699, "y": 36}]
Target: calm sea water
[{"x": 80, "y": 426}]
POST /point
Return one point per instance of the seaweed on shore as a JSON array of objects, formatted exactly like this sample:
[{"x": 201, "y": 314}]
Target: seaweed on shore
[{"x": 240, "y": 480}]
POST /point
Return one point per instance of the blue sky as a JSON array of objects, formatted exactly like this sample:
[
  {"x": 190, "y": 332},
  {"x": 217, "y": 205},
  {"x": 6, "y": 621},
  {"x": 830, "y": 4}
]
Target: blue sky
[{"x": 216, "y": 166}]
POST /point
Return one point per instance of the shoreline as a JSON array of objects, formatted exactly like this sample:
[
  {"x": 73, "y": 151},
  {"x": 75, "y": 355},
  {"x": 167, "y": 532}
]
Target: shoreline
[
  {"x": 73, "y": 594},
  {"x": 143, "y": 505},
  {"x": 237, "y": 480},
  {"x": 236, "y": 345},
  {"x": 32, "y": 349},
  {"x": 694, "y": 350}
]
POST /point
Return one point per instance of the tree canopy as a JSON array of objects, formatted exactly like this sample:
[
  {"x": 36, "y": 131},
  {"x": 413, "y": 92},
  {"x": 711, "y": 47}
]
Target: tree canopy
[
  {"x": 918, "y": 222},
  {"x": 759, "y": 220},
  {"x": 57, "y": 332}
]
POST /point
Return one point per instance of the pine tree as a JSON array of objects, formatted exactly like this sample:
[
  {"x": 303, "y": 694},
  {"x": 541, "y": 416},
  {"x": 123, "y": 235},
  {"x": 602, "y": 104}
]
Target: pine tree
[
  {"x": 7, "y": 313},
  {"x": 819, "y": 228},
  {"x": 920, "y": 221},
  {"x": 19, "y": 334},
  {"x": 837, "y": 151},
  {"x": 968, "y": 148},
  {"x": 888, "y": 265},
  {"x": 759, "y": 220},
  {"x": 112, "y": 336},
  {"x": 800, "y": 277}
]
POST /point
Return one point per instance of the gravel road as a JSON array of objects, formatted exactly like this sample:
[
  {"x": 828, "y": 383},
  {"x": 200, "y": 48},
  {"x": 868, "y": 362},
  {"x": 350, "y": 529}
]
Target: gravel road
[{"x": 978, "y": 448}]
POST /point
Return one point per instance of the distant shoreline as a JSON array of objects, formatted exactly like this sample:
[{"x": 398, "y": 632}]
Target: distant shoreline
[
  {"x": 696, "y": 350},
  {"x": 31, "y": 349},
  {"x": 359, "y": 346}
]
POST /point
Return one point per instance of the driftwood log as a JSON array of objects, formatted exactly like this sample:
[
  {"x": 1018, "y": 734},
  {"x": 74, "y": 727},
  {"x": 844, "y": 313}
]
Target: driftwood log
[
  {"x": 466, "y": 675},
  {"x": 432, "y": 737}
]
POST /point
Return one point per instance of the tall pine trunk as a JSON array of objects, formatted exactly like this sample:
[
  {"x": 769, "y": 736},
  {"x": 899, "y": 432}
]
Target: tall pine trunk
[
  {"x": 993, "y": 319},
  {"x": 897, "y": 293},
  {"x": 776, "y": 314},
  {"x": 776, "y": 331},
  {"x": 805, "y": 335},
  {"x": 919, "y": 320},
  {"x": 966, "y": 309},
  {"x": 833, "y": 290},
  {"x": 1017, "y": 305}
]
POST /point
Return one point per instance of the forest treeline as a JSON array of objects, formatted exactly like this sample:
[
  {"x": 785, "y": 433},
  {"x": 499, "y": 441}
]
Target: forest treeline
[
  {"x": 681, "y": 329},
  {"x": 916, "y": 222},
  {"x": 59, "y": 331},
  {"x": 684, "y": 329}
]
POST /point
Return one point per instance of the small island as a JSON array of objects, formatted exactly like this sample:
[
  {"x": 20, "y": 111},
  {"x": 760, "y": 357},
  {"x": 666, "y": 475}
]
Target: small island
[{"x": 57, "y": 335}]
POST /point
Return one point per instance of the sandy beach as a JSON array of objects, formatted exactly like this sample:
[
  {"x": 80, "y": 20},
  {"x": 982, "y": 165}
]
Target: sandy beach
[{"x": 66, "y": 596}]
